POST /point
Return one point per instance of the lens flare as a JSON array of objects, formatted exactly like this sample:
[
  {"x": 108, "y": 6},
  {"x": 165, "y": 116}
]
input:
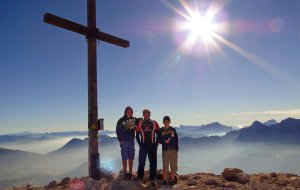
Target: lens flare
[{"x": 107, "y": 164}]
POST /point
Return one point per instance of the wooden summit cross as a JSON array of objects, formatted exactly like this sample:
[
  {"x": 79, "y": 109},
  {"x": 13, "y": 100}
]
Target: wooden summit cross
[{"x": 92, "y": 34}]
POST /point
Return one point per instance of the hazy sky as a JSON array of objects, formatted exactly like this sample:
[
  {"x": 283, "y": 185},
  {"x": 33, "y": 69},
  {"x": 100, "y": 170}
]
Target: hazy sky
[{"x": 246, "y": 70}]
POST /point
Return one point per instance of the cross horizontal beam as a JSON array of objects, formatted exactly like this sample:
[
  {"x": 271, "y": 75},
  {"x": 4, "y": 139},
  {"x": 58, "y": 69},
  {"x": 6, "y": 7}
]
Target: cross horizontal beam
[{"x": 78, "y": 28}]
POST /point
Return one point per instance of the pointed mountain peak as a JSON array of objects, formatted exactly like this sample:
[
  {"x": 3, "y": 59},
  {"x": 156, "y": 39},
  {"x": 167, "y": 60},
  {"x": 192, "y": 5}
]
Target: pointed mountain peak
[
  {"x": 290, "y": 121},
  {"x": 270, "y": 122},
  {"x": 257, "y": 124}
]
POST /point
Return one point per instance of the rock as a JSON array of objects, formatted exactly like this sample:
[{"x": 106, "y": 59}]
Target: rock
[
  {"x": 220, "y": 184},
  {"x": 210, "y": 181},
  {"x": 257, "y": 185},
  {"x": 230, "y": 174},
  {"x": 77, "y": 184},
  {"x": 107, "y": 174},
  {"x": 290, "y": 175},
  {"x": 230, "y": 186},
  {"x": 181, "y": 187},
  {"x": 243, "y": 178},
  {"x": 273, "y": 174},
  {"x": 211, "y": 174},
  {"x": 264, "y": 178},
  {"x": 52, "y": 184},
  {"x": 102, "y": 184},
  {"x": 196, "y": 177},
  {"x": 29, "y": 185},
  {"x": 295, "y": 182},
  {"x": 131, "y": 185},
  {"x": 191, "y": 182},
  {"x": 183, "y": 177},
  {"x": 283, "y": 182},
  {"x": 65, "y": 181},
  {"x": 285, "y": 188}
]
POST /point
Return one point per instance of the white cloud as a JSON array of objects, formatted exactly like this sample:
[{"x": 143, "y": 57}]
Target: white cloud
[{"x": 284, "y": 113}]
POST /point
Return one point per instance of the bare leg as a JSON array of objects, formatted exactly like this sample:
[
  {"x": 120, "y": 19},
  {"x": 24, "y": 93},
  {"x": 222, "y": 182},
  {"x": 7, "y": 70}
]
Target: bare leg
[
  {"x": 130, "y": 163},
  {"x": 173, "y": 175},
  {"x": 124, "y": 162},
  {"x": 165, "y": 175}
]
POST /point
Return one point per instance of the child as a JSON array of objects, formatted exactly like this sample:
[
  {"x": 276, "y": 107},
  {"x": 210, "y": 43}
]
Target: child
[
  {"x": 125, "y": 130},
  {"x": 167, "y": 136}
]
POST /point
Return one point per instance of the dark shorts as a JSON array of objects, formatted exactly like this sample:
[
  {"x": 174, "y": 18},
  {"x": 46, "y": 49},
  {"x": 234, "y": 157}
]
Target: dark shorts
[{"x": 127, "y": 150}]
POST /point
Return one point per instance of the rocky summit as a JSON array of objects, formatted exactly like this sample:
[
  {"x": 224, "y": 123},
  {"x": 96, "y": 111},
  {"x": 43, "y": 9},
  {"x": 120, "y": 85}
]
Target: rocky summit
[{"x": 230, "y": 179}]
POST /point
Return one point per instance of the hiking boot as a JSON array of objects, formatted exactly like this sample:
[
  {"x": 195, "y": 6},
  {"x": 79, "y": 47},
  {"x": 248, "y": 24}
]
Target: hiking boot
[
  {"x": 165, "y": 182},
  {"x": 153, "y": 183},
  {"x": 129, "y": 176},
  {"x": 172, "y": 182},
  {"x": 137, "y": 178}
]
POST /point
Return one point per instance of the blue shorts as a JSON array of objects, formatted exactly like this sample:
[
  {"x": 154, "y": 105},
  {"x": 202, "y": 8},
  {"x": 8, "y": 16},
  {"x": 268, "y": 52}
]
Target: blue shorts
[{"x": 127, "y": 150}]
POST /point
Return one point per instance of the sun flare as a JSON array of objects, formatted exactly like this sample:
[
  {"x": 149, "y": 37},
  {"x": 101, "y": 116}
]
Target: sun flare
[
  {"x": 196, "y": 27},
  {"x": 200, "y": 27}
]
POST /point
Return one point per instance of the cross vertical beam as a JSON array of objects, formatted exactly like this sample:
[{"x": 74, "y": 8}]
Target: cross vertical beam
[
  {"x": 94, "y": 157},
  {"x": 92, "y": 34}
]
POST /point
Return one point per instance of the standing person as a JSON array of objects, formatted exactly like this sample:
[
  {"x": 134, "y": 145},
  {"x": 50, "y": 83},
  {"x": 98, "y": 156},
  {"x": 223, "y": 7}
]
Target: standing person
[
  {"x": 167, "y": 136},
  {"x": 125, "y": 132},
  {"x": 146, "y": 133}
]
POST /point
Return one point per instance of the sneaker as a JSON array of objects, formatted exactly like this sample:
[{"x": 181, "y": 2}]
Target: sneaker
[
  {"x": 172, "y": 182},
  {"x": 153, "y": 183},
  {"x": 137, "y": 178},
  {"x": 165, "y": 182},
  {"x": 128, "y": 176}
]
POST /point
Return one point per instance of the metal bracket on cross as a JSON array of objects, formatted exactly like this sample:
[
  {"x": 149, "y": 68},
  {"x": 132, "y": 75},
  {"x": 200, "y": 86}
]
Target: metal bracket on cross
[{"x": 101, "y": 124}]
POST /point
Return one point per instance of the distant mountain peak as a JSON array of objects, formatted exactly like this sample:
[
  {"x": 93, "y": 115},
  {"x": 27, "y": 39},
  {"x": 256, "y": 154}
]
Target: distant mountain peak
[
  {"x": 270, "y": 122},
  {"x": 290, "y": 122},
  {"x": 214, "y": 123},
  {"x": 257, "y": 124}
]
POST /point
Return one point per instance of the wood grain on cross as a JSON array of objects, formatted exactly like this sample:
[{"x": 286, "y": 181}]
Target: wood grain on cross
[{"x": 92, "y": 34}]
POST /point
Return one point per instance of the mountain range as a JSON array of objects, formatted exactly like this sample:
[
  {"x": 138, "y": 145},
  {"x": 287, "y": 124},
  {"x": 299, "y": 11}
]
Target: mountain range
[
  {"x": 237, "y": 146},
  {"x": 26, "y": 137},
  {"x": 212, "y": 129},
  {"x": 287, "y": 131}
]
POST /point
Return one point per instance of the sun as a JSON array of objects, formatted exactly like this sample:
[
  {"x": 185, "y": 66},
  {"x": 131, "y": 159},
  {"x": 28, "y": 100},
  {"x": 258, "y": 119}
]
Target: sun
[{"x": 198, "y": 27}]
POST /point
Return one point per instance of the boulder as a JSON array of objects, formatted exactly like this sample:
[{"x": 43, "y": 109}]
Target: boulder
[
  {"x": 65, "y": 181},
  {"x": 77, "y": 183},
  {"x": 52, "y": 184},
  {"x": 273, "y": 174},
  {"x": 230, "y": 174},
  {"x": 211, "y": 181},
  {"x": 243, "y": 178},
  {"x": 191, "y": 182}
]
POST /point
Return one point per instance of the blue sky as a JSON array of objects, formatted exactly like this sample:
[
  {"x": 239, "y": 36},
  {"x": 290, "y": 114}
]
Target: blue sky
[{"x": 254, "y": 75}]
